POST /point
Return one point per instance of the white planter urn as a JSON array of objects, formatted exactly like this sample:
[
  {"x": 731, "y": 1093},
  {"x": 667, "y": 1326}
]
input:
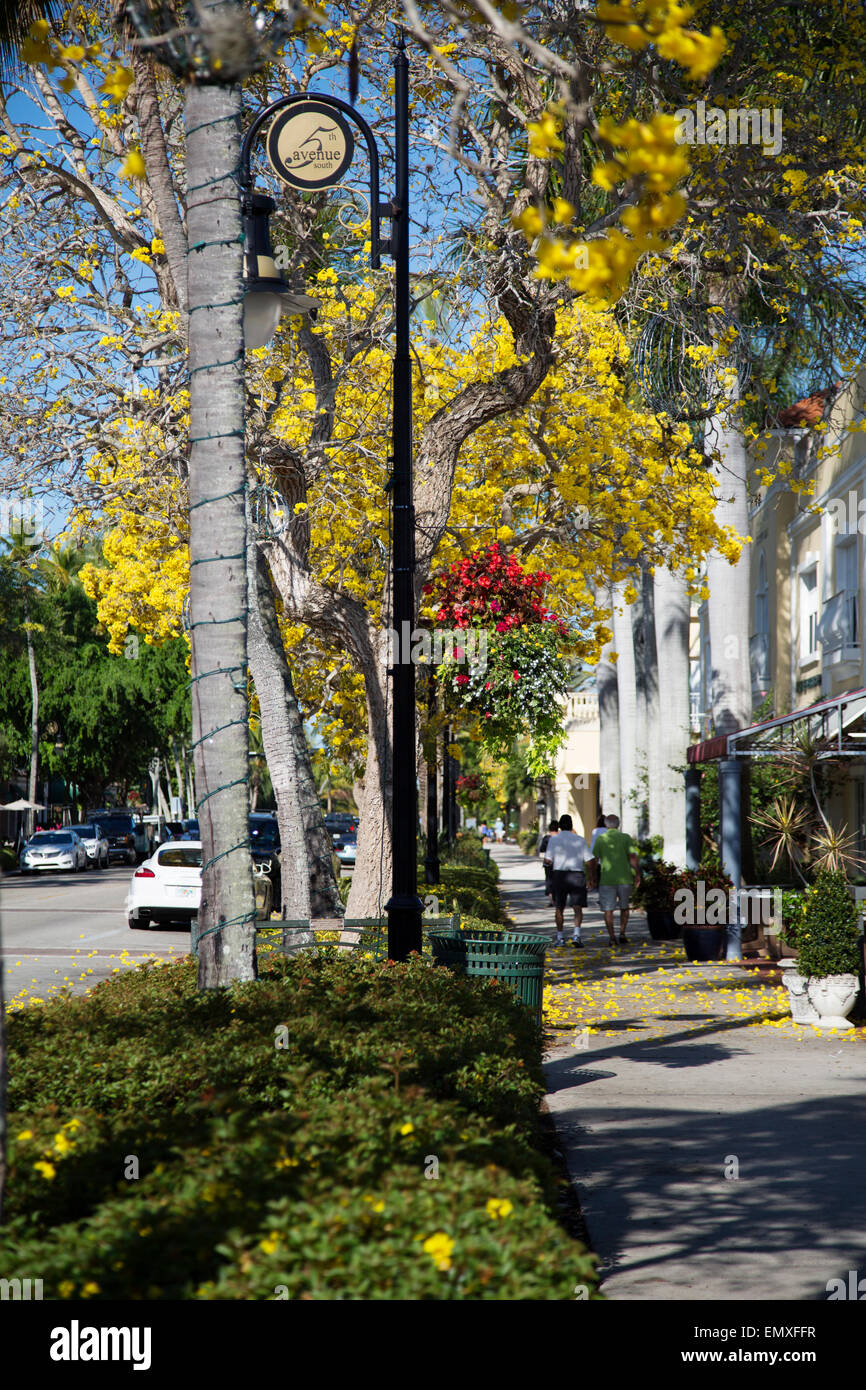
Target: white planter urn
[
  {"x": 833, "y": 999},
  {"x": 802, "y": 1008}
]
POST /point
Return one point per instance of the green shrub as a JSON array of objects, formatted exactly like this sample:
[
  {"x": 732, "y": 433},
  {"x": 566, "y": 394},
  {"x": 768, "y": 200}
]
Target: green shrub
[
  {"x": 294, "y": 1171},
  {"x": 528, "y": 840},
  {"x": 828, "y": 936},
  {"x": 344, "y": 884},
  {"x": 467, "y": 848},
  {"x": 473, "y": 890}
]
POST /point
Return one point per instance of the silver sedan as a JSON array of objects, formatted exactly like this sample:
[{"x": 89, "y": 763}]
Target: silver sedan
[
  {"x": 95, "y": 844},
  {"x": 53, "y": 849}
]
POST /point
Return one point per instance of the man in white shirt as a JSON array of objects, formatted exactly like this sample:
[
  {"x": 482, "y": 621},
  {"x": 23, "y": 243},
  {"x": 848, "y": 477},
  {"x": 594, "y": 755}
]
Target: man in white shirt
[{"x": 570, "y": 860}]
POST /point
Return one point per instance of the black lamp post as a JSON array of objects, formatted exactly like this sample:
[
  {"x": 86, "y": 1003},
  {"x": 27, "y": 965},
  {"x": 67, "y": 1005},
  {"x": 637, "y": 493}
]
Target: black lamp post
[{"x": 404, "y": 908}]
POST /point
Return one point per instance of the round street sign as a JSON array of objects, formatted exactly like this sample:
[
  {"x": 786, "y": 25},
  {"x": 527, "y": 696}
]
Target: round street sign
[{"x": 310, "y": 145}]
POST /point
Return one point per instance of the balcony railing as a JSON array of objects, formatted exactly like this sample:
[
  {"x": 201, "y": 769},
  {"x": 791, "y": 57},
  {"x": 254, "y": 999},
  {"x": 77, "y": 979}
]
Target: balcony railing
[{"x": 840, "y": 622}]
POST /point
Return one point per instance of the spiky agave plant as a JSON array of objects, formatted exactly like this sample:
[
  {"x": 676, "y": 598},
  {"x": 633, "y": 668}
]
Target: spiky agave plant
[
  {"x": 789, "y": 825},
  {"x": 831, "y": 850}
]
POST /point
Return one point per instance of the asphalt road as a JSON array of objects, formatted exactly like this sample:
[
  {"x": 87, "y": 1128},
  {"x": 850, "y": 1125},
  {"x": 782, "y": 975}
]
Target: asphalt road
[{"x": 70, "y": 929}]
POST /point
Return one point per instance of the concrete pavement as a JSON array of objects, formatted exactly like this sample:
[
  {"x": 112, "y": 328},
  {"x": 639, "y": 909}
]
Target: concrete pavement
[
  {"x": 70, "y": 930},
  {"x": 718, "y": 1148}
]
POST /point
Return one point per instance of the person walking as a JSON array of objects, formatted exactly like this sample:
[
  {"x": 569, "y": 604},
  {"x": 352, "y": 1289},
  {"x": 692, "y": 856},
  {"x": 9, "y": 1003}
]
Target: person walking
[
  {"x": 598, "y": 830},
  {"x": 499, "y": 828},
  {"x": 618, "y": 873},
  {"x": 542, "y": 850},
  {"x": 570, "y": 860}
]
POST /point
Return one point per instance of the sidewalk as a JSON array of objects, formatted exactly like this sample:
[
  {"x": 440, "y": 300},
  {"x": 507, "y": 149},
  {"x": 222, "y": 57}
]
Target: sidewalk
[{"x": 718, "y": 1148}]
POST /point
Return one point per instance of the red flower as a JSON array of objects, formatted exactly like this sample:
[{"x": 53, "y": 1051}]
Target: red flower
[
  {"x": 459, "y": 654},
  {"x": 516, "y": 675},
  {"x": 502, "y": 627},
  {"x": 462, "y": 680},
  {"x": 488, "y": 686}
]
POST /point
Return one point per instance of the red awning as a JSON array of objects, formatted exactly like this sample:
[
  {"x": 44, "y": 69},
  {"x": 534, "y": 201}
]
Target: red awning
[{"x": 709, "y": 750}]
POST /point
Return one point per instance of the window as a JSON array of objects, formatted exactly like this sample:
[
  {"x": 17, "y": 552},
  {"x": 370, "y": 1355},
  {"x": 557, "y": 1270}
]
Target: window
[
  {"x": 177, "y": 857},
  {"x": 809, "y": 614}
]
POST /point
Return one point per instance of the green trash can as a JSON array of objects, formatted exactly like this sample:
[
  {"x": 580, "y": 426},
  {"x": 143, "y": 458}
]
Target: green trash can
[{"x": 517, "y": 958}]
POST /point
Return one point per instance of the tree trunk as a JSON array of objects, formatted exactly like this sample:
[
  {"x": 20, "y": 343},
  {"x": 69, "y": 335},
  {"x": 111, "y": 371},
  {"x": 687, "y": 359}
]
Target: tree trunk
[
  {"x": 217, "y": 542},
  {"x": 608, "y": 718},
  {"x": 3, "y": 1080},
  {"x": 625, "y": 678},
  {"x": 34, "y": 717},
  {"x": 652, "y": 706},
  {"x": 371, "y": 880},
  {"x": 270, "y": 674},
  {"x": 672, "y": 645},
  {"x": 642, "y": 707},
  {"x": 180, "y": 787},
  {"x": 729, "y": 606}
]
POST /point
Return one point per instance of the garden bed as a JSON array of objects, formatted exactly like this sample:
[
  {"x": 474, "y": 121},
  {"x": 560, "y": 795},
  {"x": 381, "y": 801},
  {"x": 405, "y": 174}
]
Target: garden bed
[{"x": 280, "y": 1139}]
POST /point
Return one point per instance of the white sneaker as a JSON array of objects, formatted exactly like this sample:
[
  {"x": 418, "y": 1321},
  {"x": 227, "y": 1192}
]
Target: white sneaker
[{"x": 560, "y": 940}]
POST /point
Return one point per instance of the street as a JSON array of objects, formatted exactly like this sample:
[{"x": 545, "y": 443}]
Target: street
[{"x": 70, "y": 929}]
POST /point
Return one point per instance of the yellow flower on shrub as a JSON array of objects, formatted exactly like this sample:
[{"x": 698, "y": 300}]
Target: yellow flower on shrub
[
  {"x": 439, "y": 1247},
  {"x": 498, "y": 1208},
  {"x": 46, "y": 1169}
]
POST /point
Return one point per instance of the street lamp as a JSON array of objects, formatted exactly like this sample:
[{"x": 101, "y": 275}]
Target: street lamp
[
  {"x": 310, "y": 146},
  {"x": 266, "y": 294}
]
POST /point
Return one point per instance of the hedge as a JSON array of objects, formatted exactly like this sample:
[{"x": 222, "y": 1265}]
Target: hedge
[{"x": 303, "y": 1170}]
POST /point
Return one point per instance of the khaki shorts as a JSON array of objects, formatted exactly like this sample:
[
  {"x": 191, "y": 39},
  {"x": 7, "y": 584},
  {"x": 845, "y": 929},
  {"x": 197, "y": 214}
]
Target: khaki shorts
[{"x": 609, "y": 894}]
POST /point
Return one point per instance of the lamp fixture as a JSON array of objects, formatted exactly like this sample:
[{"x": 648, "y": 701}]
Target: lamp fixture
[{"x": 266, "y": 294}]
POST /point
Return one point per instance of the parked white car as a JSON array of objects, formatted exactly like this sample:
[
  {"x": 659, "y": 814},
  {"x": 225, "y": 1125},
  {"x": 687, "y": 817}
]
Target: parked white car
[
  {"x": 53, "y": 849},
  {"x": 167, "y": 886},
  {"x": 95, "y": 843}
]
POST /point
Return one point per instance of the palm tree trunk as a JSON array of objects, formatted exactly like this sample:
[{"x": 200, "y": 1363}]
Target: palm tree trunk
[
  {"x": 627, "y": 699},
  {"x": 270, "y": 672},
  {"x": 643, "y": 702},
  {"x": 3, "y": 1082},
  {"x": 729, "y": 604},
  {"x": 34, "y": 715},
  {"x": 672, "y": 646},
  {"x": 608, "y": 717},
  {"x": 217, "y": 543}
]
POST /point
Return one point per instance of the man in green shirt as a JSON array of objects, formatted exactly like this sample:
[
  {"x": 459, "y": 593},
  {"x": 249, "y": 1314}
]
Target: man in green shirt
[{"x": 618, "y": 873}]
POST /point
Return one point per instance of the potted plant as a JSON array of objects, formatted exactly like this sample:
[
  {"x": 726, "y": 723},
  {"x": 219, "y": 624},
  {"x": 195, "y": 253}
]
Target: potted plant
[
  {"x": 656, "y": 896},
  {"x": 701, "y": 908},
  {"x": 828, "y": 954}
]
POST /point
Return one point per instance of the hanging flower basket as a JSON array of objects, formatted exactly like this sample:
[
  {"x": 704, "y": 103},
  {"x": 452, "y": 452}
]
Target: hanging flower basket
[{"x": 518, "y": 673}]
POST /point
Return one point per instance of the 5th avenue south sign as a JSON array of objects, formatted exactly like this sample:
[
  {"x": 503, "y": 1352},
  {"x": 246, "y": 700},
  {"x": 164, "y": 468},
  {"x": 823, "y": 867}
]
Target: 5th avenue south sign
[{"x": 310, "y": 146}]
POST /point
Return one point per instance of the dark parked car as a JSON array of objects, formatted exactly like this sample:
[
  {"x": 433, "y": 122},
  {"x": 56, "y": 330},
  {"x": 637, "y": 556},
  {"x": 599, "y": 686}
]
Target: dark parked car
[
  {"x": 341, "y": 823},
  {"x": 265, "y": 848},
  {"x": 127, "y": 837},
  {"x": 346, "y": 847}
]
